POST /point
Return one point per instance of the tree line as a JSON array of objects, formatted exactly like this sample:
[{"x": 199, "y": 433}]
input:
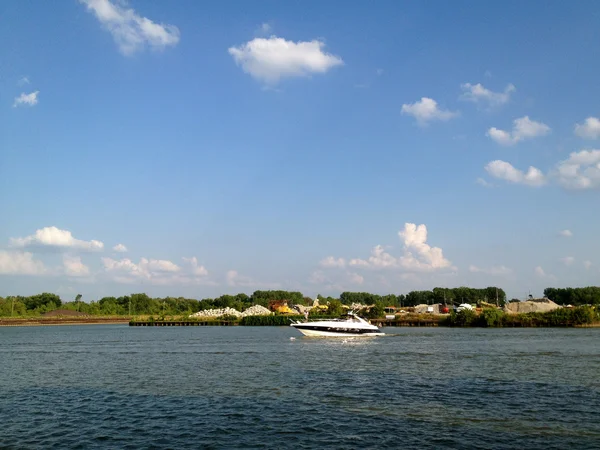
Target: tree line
[{"x": 141, "y": 303}]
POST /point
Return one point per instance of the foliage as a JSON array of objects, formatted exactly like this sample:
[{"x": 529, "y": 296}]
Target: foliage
[
  {"x": 464, "y": 318},
  {"x": 574, "y": 296},
  {"x": 491, "y": 317},
  {"x": 377, "y": 311},
  {"x": 335, "y": 308}
]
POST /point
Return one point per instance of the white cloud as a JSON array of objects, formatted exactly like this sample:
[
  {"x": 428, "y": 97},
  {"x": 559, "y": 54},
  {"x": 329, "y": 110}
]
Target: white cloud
[
  {"x": 426, "y": 110},
  {"x": 566, "y": 233},
  {"x": 197, "y": 270},
  {"x": 523, "y": 128},
  {"x": 587, "y": 264},
  {"x": 568, "y": 260},
  {"x": 505, "y": 171},
  {"x": 330, "y": 261},
  {"x": 478, "y": 94},
  {"x": 484, "y": 183},
  {"x": 26, "y": 99},
  {"x": 20, "y": 263},
  {"x": 156, "y": 271},
  {"x": 131, "y": 31},
  {"x": 494, "y": 270},
  {"x": 379, "y": 259},
  {"x": 580, "y": 171},
  {"x": 271, "y": 59},
  {"x": 23, "y": 81},
  {"x": 120, "y": 248},
  {"x": 74, "y": 267},
  {"x": 590, "y": 129},
  {"x": 417, "y": 254},
  {"x": 52, "y": 237}
]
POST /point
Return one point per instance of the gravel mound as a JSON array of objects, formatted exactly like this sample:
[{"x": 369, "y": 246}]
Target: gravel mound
[
  {"x": 541, "y": 305},
  {"x": 255, "y": 310}
]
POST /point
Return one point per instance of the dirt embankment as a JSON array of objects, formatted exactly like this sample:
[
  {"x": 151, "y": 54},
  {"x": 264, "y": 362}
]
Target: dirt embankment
[{"x": 61, "y": 320}]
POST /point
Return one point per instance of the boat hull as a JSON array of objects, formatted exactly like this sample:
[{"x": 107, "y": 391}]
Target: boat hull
[{"x": 314, "y": 331}]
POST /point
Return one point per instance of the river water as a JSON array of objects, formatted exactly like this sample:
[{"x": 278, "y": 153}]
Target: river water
[{"x": 112, "y": 386}]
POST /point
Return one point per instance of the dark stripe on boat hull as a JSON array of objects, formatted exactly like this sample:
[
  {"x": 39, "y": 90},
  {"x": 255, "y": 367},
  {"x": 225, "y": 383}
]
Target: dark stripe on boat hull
[{"x": 353, "y": 331}]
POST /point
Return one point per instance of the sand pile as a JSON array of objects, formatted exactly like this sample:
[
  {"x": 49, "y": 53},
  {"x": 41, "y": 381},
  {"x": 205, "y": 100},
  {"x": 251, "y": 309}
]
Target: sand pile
[{"x": 537, "y": 305}]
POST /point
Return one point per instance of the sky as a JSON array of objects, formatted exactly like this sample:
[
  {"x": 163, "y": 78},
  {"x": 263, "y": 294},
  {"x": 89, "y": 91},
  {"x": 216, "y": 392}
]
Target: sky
[{"x": 202, "y": 148}]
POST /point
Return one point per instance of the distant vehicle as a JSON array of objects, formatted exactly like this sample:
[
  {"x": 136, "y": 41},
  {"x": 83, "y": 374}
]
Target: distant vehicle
[{"x": 464, "y": 306}]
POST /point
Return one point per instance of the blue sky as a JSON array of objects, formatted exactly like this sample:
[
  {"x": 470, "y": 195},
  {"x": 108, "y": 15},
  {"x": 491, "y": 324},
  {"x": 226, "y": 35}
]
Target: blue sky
[{"x": 321, "y": 147}]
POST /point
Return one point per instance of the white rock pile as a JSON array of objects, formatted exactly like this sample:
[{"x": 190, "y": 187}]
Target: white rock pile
[{"x": 255, "y": 310}]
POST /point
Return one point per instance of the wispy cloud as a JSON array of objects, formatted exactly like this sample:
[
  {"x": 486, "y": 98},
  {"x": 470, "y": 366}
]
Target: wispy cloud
[
  {"x": 24, "y": 99},
  {"x": 272, "y": 59},
  {"x": 131, "y": 31},
  {"x": 566, "y": 233},
  {"x": 477, "y": 93},
  {"x": 20, "y": 263}
]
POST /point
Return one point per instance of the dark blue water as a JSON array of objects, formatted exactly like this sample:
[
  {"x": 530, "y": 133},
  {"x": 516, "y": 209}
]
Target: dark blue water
[{"x": 111, "y": 386}]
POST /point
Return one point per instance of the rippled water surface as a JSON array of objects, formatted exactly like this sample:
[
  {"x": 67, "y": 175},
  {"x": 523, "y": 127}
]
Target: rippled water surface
[{"x": 112, "y": 386}]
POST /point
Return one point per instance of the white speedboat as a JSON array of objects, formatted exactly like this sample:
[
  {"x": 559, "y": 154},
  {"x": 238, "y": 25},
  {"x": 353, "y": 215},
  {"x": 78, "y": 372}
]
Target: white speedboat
[{"x": 351, "y": 325}]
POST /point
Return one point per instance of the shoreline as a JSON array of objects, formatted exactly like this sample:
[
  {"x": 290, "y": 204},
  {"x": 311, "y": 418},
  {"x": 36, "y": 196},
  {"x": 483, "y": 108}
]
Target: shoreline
[{"x": 33, "y": 322}]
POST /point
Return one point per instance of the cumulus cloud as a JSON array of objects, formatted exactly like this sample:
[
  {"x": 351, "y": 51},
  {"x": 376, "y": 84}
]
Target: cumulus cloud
[
  {"x": 52, "y": 237},
  {"x": 74, "y": 267},
  {"x": 24, "y": 99},
  {"x": 580, "y": 171},
  {"x": 589, "y": 129},
  {"x": 131, "y": 31},
  {"x": 477, "y": 93},
  {"x": 417, "y": 254},
  {"x": 330, "y": 261},
  {"x": 156, "y": 271},
  {"x": 566, "y": 233},
  {"x": 271, "y": 59},
  {"x": 523, "y": 128},
  {"x": 20, "y": 263},
  {"x": 494, "y": 270},
  {"x": 427, "y": 110},
  {"x": 505, "y": 171},
  {"x": 120, "y": 248}
]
